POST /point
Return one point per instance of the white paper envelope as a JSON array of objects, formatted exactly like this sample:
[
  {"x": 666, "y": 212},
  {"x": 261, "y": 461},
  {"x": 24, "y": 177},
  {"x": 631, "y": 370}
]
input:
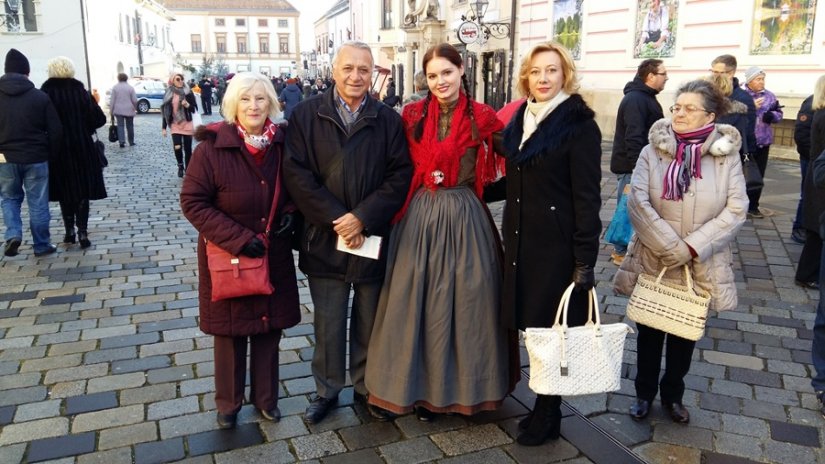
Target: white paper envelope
[{"x": 370, "y": 249}]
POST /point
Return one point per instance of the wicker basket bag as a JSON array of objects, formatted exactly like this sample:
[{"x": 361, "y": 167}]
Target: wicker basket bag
[{"x": 681, "y": 310}]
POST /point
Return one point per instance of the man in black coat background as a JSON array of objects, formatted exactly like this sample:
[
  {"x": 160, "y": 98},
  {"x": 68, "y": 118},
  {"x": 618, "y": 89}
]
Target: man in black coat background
[
  {"x": 206, "y": 95},
  {"x": 802, "y": 139},
  {"x": 638, "y": 111}
]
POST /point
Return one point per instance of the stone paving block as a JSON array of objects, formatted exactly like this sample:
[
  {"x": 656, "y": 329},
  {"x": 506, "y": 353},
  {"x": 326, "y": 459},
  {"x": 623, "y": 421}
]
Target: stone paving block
[
  {"x": 197, "y": 356},
  {"x": 187, "y": 425},
  {"x": 733, "y": 360},
  {"x": 295, "y": 370},
  {"x": 115, "y": 456},
  {"x": 159, "y": 451},
  {"x": 678, "y": 434},
  {"x": 365, "y": 456},
  {"x": 752, "y": 377},
  {"x": 107, "y": 332},
  {"x": 128, "y": 435},
  {"x": 743, "y": 425},
  {"x": 109, "y": 355},
  {"x": 624, "y": 429},
  {"x": 470, "y": 439},
  {"x": 40, "y": 410},
  {"x": 793, "y": 433},
  {"x": 412, "y": 427},
  {"x": 107, "y": 418},
  {"x": 9, "y": 367},
  {"x": 317, "y": 445},
  {"x": 51, "y": 362},
  {"x": 12, "y": 453},
  {"x": 181, "y": 334},
  {"x": 170, "y": 374},
  {"x": 90, "y": 402},
  {"x": 738, "y": 445},
  {"x": 668, "y": 453},
  {"x": 205, "y": 369},
  {"x": 53, "y": 300},
  {"x": 779, "y": 452},
  {"x": 168, "y": 324},
  {"x": 776, "y": 395},
  {"x": 165, "y": 348},
  {"x": 129, "y": 340},
  {"x": 72, "y": 373},
  {"x": 22, "y": 380},
  {"x": 269, "y": 453},
  {"x": 369, "y": 435},
  {"x": 172, "y": 408},
  {"x": 19, "y": 342},
  {"x": 19, "y": 354},
  {"x": 717, "y": 458},
  {"x": 71, "y": 348},
  {"x": 116, "y": 382},
  {"x": 719, "y": 403},
  {"x": 67, "y": 389},
  {"x": 763, "y": 410},
  {"x": 728, "y": 388},
  {"x": 6, "y": 414},
  {"x": 23, "y": 395},
  {"x": 140, "y": 364},
  {"x": 196, "y": 386},
  {"x": 784, "y": 367},
  {"x": 137, "y": 309},
  {"x": 412, "y": 451},
  {"x": 300, "y": 386},
  {"x": 34, "y": 430},
  {"x": 336, "y": 419},
  {"x": 216, "y": 441},
  {"x": 293, "y": 405},
  {"x": 60, "y": 337},
  {"x": 26, "y": 330},
  {"x": 61, "y": 447}
]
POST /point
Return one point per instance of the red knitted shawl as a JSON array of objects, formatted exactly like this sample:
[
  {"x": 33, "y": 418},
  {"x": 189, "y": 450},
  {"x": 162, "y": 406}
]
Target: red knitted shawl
[{"x": 430, "y": 155}]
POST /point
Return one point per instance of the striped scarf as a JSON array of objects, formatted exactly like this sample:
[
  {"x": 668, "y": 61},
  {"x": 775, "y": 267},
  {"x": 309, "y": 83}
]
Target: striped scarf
[{"x": 686, "y": 163}]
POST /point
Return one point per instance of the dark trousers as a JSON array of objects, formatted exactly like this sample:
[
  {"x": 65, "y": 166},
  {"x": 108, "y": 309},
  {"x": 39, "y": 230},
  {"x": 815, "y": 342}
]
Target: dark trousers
[
  {"x": 808, "y": 268},
  {"x": 803, "y": 168},
  {"x": 182, "y": 145},
  {"x": 75, "y": 213},
  {"x": 129, "y": 123},
  {"x": 760, "y": 156},
  {"x": 649, "y": 346},
  {"x": 230, "y": 371},
  {"x": 330, "y": 298},
  {"x": 206, "y": 100}
]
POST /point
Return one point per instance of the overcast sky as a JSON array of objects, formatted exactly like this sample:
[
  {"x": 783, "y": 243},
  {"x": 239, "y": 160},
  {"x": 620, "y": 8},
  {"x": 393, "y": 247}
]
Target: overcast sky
[{"x": 310, "y": 10}]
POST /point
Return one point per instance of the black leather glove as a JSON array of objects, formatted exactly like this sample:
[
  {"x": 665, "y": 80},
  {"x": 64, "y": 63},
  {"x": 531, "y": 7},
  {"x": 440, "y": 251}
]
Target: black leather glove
[
  {"x": 767, "y": 118},
  {"x": 254, "y": 249},
  {"x": 287, "y": 225},
  {"x": 583, "y": 277}
]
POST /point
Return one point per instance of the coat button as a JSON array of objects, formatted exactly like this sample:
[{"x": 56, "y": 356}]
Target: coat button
[
  {"x": 263, "y": 182},
  {"x": 518, "y": 169},
  {"x": 552, "y": 208},
  {"x": 516, "y": 232},
  {"x": 514, "y": 263},
  {"x": 263, "y": 219},
  {"x": 518, "y": 200}
]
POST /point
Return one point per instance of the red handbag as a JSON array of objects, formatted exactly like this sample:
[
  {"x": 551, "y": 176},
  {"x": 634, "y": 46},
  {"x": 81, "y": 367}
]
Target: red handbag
[{"x": 236, "y": 276}]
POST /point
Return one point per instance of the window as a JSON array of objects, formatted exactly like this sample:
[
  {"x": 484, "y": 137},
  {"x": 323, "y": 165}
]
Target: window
[
  {"x": 263, "y": 22},
  {"x": 128, "y": 29},
  {"x": 241, "y": 39},
  {"x": 263, "y": 43},
  {"x": 283, "y": 23},
  {"x": 220, "y": 43},
  {"x": 243, "y": 67},
  {"x": 240, "y": 22},
  {"x": 157, "y": 39},
  {"x": 196, "y": 43},
  {"x": 20, "y": 16},
  {"x": 386, "y": 14},
  {"x": 120, "y": 27},
  {"x": 220, "y": 21},
  {"x": 283, "y": 43}
]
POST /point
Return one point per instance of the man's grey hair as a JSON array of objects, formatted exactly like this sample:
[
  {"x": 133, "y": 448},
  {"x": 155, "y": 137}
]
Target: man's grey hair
[
  {"x": 354, "y": 44},
  {"x": 420, "y": 80}
]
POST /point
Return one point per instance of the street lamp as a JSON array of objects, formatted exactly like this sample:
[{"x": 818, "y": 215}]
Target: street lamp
[{"x": 497, "y": 29}]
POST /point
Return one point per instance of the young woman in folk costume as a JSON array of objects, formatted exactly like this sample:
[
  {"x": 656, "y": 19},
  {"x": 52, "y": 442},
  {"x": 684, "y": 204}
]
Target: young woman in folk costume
[{"x": 437, "y": 345}]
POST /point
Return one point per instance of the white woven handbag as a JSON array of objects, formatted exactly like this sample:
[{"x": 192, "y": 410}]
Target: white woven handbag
[
  {"x": 681, "y": 310},
  {"x": 576, "y": 360}
]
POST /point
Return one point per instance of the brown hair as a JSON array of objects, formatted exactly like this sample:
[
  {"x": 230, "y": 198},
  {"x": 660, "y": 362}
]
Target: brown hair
[{"x": 568, "y": 67}]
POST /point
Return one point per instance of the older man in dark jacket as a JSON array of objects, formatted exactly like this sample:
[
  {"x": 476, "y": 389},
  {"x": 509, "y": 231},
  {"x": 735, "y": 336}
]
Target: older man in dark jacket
[
  {"x": 638, "y": 111},
  {"x": 348, "y": 169},
  {"x": 30, "y": 131}
]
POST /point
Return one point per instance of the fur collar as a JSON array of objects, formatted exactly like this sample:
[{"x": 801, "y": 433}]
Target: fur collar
[
  {"x": 723, "y": 141},
  {"x": 560, "y": 126}
]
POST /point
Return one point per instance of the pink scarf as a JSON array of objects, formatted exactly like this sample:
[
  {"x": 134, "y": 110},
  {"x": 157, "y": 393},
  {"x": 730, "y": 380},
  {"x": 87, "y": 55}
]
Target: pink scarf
[{"x": 686, "y": 163}]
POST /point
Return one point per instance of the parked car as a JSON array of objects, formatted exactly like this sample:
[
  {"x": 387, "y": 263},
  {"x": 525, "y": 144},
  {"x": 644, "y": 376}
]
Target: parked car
[{"x": 149, "y": 92}]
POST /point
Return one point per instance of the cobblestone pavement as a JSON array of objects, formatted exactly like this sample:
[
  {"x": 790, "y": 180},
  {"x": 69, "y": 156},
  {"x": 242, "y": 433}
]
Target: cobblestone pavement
[{"x": 102, "y": 361}]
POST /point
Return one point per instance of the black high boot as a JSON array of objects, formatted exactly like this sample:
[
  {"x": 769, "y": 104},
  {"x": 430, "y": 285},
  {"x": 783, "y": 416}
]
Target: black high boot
[
  {"x": 83, "y": 223},
  {"x": 68, "y": 222},
  {"x": 545, "y": 424},
  {"x": 180, "y": 169}
]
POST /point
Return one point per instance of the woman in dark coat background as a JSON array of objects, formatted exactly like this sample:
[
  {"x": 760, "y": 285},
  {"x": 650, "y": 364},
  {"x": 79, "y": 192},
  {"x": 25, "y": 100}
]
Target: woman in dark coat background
[
  {"x": 76, "y": 172},
  {"x": 227, "y": 191},
  {"x": 551, "y": 223}
]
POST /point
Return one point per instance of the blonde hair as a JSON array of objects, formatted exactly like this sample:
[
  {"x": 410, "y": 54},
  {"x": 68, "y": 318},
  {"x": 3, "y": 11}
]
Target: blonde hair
[
  {"x": 568, "y": 67},
  {"x": 60, "y": 67},
  {"x": 721, "y": 81},
  {"x": 819, "y": 94},
  {"x": 241, "y": 83}
]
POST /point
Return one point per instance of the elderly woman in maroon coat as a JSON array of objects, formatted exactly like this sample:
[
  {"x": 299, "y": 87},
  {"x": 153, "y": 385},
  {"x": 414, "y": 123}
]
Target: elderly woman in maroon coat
[{"x": 227, "y": 195}]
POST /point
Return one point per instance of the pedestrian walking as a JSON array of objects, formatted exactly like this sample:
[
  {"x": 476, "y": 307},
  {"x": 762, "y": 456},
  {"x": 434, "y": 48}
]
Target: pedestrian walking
[
  {"x": 76, "y": 172},
  {"x": 30, "y": 133},
  {"x": 638, "y": 110},
  {"x": 206, "y": 95},
  {"x": 686, "y": 204},
  {"x": 231, "y": 184},
  {"x": 348, "y": 170},
  {"x": 551, "y": 223},
  {"x": 818, "y": 344},
  {"x": 123, "y": 107},
  {"x": 438, "y": 345},
  {"x": 177, "y": 108},
  {"x": 290, "y": 97},
  {"x": 768, "y": 111},
  {"x": 802, "y": 140}
]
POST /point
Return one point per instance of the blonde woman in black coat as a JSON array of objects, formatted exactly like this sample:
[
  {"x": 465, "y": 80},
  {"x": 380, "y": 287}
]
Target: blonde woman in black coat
[{"x": 75, "y": 172}]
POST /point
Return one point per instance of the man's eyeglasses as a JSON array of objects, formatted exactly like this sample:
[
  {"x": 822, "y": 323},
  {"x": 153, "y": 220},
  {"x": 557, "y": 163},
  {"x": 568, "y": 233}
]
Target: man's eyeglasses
[
  {"x": 717, "y": 73},
  {"x": 689, "y": 109}
]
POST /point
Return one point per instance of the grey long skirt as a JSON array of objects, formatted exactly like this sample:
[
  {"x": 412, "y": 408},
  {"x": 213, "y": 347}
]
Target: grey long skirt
[{"x": 437, "y": 341}]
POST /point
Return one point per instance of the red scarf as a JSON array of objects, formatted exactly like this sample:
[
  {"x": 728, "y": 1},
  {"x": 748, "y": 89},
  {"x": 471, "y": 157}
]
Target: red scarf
[
  {"x": 257, "y": 144},
  {"x": 437, "y": 162}
]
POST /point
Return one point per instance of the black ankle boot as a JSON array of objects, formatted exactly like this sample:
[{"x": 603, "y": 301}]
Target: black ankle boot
[
  {"x": 83, "y": 238},
  {"x": 545, "y": 424},
  {"x": 69, "y": 238},
  {"x": 180, "y": 170}
]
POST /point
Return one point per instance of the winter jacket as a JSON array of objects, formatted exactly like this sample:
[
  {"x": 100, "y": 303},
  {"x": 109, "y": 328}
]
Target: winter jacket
[
  {"x": 744, "y": 97},
  {"x": 707, "y": 218},
  {"x": 290, "y": 97},
  {"x": 166, "y": 107},
  {"x": 30, "y": 129},
  {"x": 331, "y": 171},
  {"x": 802, "y": 128},
  {"x": 227, "y": 198},
  {"x": 737, "y": 116},
  {"x": 551, "y": 219},
  {"x": 814, "y": 204},
  {"x": 75, "y": 173},
  {"x": 123, "y": 100},
  {"x": 818, "y": 179},
  {"x": 769, "y": 110},
  {"x": 817, "y": 134},
  {"x": 638, "y": 111}
]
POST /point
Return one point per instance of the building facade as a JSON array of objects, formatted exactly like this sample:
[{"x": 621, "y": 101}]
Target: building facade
[
  {"x": 242, "y": 35},
  {"x": 331, "y": 30}
]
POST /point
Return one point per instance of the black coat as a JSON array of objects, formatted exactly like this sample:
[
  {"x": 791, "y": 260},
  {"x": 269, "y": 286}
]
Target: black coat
[
  {"x": 737, "y": 116},
  {"x": 802, "y": 128},
  {"x": 30, "y": 129},
  {"x": 551, "y": 219},
  {"x": 742, "y": 96},
  {"x": 638, "y": 111},
  {"x": 330, "y": 171},
  {"x": 813, "y": 205},
  {"x": 75, "y": 173}
]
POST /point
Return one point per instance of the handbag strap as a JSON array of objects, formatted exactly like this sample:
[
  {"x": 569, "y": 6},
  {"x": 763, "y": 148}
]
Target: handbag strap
[
  {"x": 688, "y": 278},
  {"x": 564, "y": 305}
]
